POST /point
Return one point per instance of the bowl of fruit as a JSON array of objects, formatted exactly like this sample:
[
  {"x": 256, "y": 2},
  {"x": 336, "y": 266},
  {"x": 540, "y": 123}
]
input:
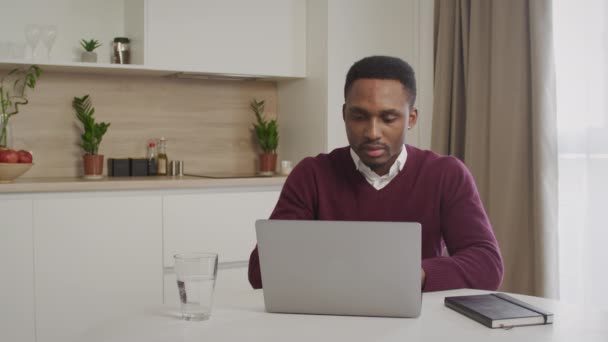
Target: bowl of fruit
[{"x": 13, "y": 164}]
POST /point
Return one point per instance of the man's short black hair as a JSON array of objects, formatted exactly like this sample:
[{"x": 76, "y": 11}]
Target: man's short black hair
[{"x": 384, "y": 68}]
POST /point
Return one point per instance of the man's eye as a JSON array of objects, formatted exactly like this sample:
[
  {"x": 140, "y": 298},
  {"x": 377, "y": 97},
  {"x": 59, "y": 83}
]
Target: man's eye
[
  {"x": 389, "y": 119},
  {"x": 357, "y": 116}
]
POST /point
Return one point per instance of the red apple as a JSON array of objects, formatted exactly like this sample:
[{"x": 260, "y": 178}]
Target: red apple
[
  {"x": 24, "y": 156},
  {"x": 9, "y": 156}
]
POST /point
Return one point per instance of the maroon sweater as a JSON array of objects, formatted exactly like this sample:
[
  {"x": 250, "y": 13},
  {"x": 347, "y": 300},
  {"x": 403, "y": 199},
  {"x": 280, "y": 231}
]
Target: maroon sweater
[{"x": 436, "y": 191}]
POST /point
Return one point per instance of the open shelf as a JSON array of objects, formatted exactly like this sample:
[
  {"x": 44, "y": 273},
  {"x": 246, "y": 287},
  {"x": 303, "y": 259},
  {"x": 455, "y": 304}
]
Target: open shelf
[
  {"x": 167, "y": 39},
  {"x": 136, "y": 69}
]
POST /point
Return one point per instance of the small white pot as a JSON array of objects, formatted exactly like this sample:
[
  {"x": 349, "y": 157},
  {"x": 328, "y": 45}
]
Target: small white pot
[{"x": 90, "y": 57}]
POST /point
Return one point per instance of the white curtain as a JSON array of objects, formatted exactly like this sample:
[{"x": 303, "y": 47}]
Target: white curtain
[{"x": 581, "y": 55}]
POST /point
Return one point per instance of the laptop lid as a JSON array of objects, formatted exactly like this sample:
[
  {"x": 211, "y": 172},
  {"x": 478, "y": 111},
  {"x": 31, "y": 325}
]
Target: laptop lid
[{"x": 341, "y": 267}]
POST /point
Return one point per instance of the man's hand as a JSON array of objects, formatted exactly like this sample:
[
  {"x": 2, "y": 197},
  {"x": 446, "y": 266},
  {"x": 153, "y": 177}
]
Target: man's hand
[{"x": 422, "y": 278}]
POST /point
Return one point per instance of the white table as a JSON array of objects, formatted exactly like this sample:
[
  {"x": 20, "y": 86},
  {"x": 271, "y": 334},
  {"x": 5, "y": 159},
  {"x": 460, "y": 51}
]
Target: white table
[{"x": 240, "y": 316}]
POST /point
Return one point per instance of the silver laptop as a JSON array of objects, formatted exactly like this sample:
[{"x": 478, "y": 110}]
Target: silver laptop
[{"x": 340, "y": 267}]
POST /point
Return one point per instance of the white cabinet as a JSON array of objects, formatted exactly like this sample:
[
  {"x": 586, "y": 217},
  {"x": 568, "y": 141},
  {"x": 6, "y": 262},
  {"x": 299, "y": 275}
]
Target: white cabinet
[
  {"x": 72, "y": 260},
  {"x": 215, "y": 221},
  {"x": 96, "y": 257},
  {"x": 253, "y": 38},
  {"x": 16, "y": 261},
  {"x": 73, "y": 20},
  {"x": 263, "y": 37}
]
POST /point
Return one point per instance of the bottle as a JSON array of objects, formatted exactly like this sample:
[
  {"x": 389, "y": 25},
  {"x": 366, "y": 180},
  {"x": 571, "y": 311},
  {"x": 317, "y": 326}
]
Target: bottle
[
  {"x": 161, "y": 164},
  {"x": 151, "y": 155}
]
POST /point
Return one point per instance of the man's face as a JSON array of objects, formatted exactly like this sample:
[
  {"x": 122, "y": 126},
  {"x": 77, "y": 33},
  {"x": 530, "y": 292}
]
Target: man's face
[{"x": 377, "y": 114}]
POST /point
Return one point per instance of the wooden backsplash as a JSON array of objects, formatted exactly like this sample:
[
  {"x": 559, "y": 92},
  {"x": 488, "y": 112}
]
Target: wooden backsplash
[{"x": 207, "y": 123}]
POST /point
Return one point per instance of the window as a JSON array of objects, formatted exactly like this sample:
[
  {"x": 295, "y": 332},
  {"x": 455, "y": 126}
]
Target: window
[{"x": 581, "y": 56}]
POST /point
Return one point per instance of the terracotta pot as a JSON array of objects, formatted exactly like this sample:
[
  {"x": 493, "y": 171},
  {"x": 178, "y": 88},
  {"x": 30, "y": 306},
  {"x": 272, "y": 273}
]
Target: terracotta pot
[
  {"x": 93, "y": 164},
  {"x": 268, "y": 164}
]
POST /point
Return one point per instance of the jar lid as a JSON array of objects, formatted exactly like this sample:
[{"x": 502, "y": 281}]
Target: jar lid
[{"x": 121, "y": 40}]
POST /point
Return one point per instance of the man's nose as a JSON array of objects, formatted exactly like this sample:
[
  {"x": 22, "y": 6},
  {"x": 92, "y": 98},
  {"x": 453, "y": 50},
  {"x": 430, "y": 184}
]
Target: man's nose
[{"x": 372, "y": 130}]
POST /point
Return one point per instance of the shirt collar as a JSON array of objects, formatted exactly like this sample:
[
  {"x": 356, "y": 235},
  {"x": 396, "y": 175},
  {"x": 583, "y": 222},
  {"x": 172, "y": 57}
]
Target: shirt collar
[{"x": 395, "y": 168}]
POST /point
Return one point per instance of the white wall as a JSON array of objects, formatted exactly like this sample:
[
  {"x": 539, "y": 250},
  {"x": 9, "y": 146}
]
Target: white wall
[
  {"x": 360, "y": 28},
  {"x": 425, "y": 69},
  {"x": 302, "y": 104},
  {"x": 341, "y": 32}
]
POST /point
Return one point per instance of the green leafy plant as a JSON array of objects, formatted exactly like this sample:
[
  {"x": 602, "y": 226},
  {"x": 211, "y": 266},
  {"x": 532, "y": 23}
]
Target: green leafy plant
[
  {"x": 13, "y": 87},
  {"x": 93, "y": 131},
  {"x": 266, "y": 131},
  {"x": 90, "y": 45}
]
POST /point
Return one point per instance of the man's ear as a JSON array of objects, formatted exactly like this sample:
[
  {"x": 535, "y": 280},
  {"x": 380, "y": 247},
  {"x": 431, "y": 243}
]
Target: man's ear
[
  {"x": 344, "y": 112},
  {"x": 412, "y": 118}
]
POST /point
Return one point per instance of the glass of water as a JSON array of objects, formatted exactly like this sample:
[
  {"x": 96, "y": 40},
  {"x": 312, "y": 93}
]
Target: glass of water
[{"x": 196, "y": 273}]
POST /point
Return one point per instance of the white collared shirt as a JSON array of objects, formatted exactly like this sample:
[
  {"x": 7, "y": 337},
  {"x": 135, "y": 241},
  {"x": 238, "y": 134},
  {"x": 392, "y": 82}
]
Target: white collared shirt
[{"x": 379, "y": 182}]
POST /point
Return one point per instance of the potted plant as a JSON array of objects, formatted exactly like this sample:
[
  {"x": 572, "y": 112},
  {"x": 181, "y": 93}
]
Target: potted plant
[
  {"x": 267, "y": 136},
  {"x": 88, "y": 55},
  {"x": 13, "y": 86},
  {"x": 91, "y": 137}
]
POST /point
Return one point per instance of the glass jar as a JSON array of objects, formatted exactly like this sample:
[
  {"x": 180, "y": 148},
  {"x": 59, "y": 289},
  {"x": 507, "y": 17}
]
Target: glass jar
[{"x": 121, "y": 50}]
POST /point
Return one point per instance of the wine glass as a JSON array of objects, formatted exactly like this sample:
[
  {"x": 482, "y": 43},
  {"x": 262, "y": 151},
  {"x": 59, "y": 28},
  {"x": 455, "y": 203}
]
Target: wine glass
[
  {"x": 32, "y": 37},
  {"x": 49, "y": 34}
]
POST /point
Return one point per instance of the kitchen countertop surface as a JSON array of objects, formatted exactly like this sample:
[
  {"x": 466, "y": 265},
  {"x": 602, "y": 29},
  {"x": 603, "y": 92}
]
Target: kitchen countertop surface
[
  {"x": 239, "y": 315},
  {"x": 70, "y": 184}
]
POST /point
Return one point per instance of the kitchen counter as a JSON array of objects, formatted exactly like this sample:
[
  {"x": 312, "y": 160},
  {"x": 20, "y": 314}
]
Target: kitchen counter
[
  {"x": 71, "y": 184},
  {"x": 240, "y": 316}
]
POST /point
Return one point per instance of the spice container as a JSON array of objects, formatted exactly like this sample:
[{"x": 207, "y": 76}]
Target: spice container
[
  {"x": 121, "y": 50},
  {"x": 286, "y": 167},
  {"x": 176, "y": 168},
  {"x": 138, "y": 167}
]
